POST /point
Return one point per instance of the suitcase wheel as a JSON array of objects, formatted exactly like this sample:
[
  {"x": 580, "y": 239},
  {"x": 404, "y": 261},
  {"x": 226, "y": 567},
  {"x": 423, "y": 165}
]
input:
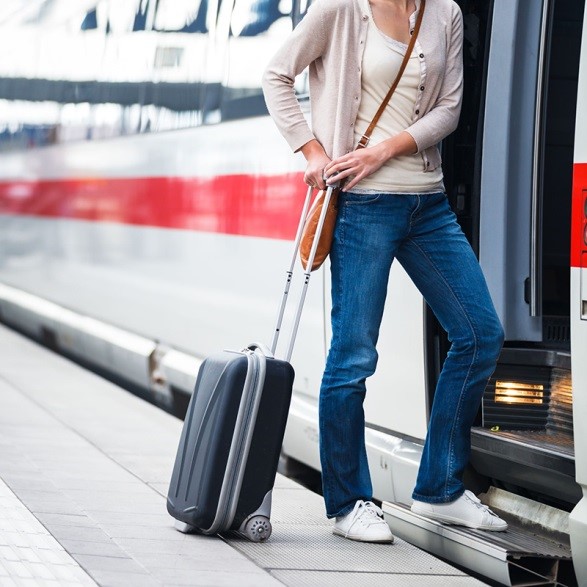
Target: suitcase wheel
[{"x": 257, "y": 529}]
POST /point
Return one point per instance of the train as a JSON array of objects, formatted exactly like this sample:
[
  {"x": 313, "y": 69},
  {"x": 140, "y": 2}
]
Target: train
[{"x": 148, "y": 208}]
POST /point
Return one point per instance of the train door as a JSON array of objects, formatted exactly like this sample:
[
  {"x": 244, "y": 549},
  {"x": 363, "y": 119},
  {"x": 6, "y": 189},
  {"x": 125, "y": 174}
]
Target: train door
[
  {"x": 524, "y": 440},
  {"x": 529, "y": 131},
  {"x": 578, "y": 315},
  {"x": 509, "y": 176},
  {"x": 509, "y": 169}
]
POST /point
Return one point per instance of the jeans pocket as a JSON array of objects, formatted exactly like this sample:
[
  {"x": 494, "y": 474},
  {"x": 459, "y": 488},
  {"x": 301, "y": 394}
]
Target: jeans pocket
[{"x": 352, "y": 199}]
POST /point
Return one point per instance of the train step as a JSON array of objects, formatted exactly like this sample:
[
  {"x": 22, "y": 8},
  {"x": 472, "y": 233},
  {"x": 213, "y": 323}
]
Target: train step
[{"x": 535, "y": 550}]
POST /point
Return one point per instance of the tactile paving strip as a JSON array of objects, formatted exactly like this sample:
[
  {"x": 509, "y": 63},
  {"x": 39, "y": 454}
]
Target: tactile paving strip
[{"x": 28, "y": 552}]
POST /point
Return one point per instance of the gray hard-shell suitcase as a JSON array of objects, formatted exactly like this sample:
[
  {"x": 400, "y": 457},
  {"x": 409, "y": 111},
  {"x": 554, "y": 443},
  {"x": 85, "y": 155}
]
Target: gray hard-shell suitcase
[{"x": 231, "y": 439}]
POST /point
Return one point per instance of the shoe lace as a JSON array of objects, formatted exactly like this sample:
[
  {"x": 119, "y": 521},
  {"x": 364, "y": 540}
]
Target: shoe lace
[
  {"x": 477, "y": 503},
  {"x": 372, "y": 509},
  {"x": 366, "y": 509}
]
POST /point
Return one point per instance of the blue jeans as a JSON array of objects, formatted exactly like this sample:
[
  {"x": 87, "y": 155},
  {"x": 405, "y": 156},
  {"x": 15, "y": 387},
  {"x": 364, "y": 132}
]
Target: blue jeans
[{"x": 420, "y": 231}]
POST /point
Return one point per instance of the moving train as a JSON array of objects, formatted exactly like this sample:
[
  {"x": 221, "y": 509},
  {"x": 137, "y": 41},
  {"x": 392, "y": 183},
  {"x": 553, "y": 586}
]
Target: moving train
[{"x": 148, "y": 207}]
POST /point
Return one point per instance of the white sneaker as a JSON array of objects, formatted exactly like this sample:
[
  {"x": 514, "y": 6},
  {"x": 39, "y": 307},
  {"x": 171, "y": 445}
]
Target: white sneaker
[
  {"x": 365, "y": 524},
  {"x": 467, "y": 511}
]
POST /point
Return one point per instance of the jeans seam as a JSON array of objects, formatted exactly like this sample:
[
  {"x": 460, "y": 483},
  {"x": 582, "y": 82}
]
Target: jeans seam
[
  {"x": 343, "y": 222},
  {"x": 326, "y": 480},
  {"x": 342, "y": 230},
  {"x": 368, "y": 200},
  {"x": 473, "y": 360},
  {"x": 414, "y": 211},
  {"x": 459, "y": 409}
]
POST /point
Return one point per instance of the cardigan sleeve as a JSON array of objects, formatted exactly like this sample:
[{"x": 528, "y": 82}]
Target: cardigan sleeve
[
  {"x": 306, "y": 43},
  {"x": 443, "y": 118}
]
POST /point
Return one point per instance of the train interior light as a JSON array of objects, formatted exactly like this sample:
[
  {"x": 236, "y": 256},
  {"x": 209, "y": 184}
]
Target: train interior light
[{"x": 518, "y": 392}]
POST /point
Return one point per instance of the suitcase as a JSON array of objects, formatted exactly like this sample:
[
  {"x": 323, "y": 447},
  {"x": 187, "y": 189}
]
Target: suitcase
[{"x": 231, "y": 439}]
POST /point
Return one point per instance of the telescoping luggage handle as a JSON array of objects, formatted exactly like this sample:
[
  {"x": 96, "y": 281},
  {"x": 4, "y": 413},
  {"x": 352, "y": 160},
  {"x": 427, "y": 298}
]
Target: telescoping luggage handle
[
  {"x": 253, "y": 387},
  {"x": 307, "y": 272}
]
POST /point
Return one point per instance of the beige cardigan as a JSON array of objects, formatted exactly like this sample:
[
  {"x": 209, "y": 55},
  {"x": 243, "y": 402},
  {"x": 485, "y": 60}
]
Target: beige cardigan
[{"x": 330, "y": 39}]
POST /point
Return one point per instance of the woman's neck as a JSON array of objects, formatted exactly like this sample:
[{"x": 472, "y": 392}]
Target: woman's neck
[
  {"x": 393, "y": 17},
  {"x": 401, "y": 5}
]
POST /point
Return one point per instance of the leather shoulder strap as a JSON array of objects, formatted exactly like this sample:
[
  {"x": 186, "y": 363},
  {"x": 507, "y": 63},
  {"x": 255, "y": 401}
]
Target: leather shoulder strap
[{"x": 364, "y": 140}]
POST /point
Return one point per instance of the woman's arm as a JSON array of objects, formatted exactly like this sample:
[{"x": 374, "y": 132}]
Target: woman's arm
[
  {"x": 443, "y": 119},
  {"x": 306, "y": 43}
]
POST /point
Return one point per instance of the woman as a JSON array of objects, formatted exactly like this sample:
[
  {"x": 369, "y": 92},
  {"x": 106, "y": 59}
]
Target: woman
[{"x": 392, "y": 206}]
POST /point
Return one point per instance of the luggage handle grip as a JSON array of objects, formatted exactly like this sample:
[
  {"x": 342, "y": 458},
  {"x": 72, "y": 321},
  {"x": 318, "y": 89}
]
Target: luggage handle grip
[{"x": 262, "y": 347}]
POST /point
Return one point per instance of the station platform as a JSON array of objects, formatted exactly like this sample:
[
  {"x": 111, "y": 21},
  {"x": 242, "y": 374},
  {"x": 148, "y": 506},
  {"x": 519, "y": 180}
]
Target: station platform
[{"x": 84, "y": 469}]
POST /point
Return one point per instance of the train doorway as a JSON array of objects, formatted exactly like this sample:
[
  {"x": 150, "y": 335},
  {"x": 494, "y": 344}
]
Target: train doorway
[{"x": 525, "y": 430}]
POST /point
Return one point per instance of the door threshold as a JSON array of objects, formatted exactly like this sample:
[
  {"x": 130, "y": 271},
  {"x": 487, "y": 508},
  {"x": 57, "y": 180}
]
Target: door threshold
[{"x": 526, "y": 554}]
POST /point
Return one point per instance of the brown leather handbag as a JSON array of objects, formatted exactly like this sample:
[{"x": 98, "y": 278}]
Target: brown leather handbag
[
  {"x": 309, "y": 233},
  {"x": 325, "y": 238}
]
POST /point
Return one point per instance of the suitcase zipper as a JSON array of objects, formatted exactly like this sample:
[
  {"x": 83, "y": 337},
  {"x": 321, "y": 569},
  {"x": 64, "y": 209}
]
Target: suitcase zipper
[{"x": 239, "y": 449}]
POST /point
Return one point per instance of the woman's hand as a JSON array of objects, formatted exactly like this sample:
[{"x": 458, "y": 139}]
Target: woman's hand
[
  {"x": 317, "y": 160},
  {"x": 358, "y": 164},
  {"x": 363, "y": 162}
]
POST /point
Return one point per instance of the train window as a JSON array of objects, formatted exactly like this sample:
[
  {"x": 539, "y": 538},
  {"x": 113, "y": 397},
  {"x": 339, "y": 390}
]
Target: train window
[
  {"x": 253, "y": 18},
  {"x": 103, "y": 68},
  {"x": 180, "y": 16},
  {"x": 255, "y": 30},
  {"x": 108, "y": 16},
  {"x": 76, "y": 71},
  {"x": 183, "y": 16}
]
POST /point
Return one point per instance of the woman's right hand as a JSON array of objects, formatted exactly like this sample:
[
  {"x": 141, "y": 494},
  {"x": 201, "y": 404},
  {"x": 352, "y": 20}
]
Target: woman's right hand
[{"x": 317, "y": 160}]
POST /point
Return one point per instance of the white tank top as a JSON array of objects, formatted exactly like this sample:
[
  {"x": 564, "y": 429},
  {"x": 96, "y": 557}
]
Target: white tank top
[{"x": 382, "y": 59}]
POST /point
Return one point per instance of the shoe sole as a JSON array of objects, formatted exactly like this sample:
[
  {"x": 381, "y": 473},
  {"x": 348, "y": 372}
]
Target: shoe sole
[
  {"x": 358, "y": 539},
  {"x": 449, "y": 521}
]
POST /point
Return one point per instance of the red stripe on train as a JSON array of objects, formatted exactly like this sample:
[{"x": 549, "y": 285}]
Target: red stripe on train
[
  {"x": 579, "y": 215},
  {"x": 247, "y": 205},
  {"x": 262, "y": 206}
]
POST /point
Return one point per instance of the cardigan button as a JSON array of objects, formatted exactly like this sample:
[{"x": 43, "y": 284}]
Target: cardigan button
[
  {"x": 365, "y": 17},
  {"x": 417, "y": 112},
  {"x": 421, "y": 88},
  {"x": 421, "y": 55}
]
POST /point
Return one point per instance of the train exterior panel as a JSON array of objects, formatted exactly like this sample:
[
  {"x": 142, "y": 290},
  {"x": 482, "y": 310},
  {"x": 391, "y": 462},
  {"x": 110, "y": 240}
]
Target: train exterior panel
[{"x": 160, "y": 227}]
